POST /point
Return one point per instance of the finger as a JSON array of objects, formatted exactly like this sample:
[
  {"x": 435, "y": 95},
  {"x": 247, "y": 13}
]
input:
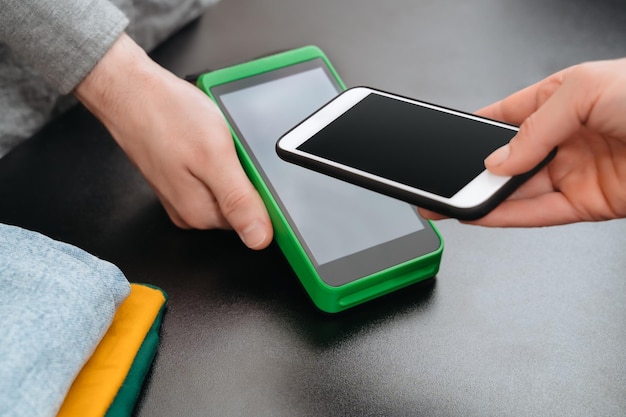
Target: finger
[
  {"x": 514, "y": 109},
  {"x": 537, "y": 185},
  {"x": 430, "y": 215},
  {"x": 518, "y": 106},
  {"x": 545, "y": 210},
  {"x": 173, "y": 214},
  {"x": 196, "y": 207},
  {"x": 238, "y": 200},
  {"x": 552, "y": 124}
]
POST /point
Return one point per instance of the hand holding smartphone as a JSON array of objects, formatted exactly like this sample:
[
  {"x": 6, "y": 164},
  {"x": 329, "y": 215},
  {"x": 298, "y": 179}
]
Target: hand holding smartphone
[
  {"x": 346, "y": 244},
  {"x": 427, "y": 155}
]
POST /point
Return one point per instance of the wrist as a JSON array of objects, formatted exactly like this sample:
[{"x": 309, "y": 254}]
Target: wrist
[{"x": 111, "y": 82}]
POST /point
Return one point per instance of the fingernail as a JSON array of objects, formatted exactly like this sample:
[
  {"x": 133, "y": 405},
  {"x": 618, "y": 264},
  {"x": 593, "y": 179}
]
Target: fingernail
[
  {"x": 254, "y": 235},
  {"x": 498, "y": 156}
]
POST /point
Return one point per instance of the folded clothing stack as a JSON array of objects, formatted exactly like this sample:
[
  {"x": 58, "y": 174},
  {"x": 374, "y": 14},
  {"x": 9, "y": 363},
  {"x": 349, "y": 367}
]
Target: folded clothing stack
[{"x": 75, "y": 337}]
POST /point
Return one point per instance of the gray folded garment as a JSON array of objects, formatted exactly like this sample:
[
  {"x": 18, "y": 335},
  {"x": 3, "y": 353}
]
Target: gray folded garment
[
  {"x": 27, "y": 101},
  {"x": 56, "y": 303}
]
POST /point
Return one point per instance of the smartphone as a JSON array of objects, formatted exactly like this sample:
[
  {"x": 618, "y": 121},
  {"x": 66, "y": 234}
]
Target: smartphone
[
  {"x": 346, "y": 244},
  {"x": 427, "y": 155}
]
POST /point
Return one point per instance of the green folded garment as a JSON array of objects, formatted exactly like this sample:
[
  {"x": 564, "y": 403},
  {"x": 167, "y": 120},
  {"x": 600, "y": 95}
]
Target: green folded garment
[
  {"x": 126, "y": 398},
  {"x": 110, "y": 382}
]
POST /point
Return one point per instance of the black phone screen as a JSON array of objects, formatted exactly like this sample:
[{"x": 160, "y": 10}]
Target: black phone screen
[
  {"x": 348, "y": 232},
  {"x": 425, "y": 148}
]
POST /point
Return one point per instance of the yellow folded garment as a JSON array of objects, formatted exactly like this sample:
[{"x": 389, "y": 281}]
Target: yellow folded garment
[{"x": 100, "y": 380}]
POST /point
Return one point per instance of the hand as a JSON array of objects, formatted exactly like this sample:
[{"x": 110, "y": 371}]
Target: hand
[
  {"x": 582, "y": 111},
  {"x": 178, "y": 139}
]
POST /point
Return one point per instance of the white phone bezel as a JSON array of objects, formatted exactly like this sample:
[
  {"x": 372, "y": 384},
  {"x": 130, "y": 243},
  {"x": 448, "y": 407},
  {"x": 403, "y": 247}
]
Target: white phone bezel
[{"x": 474, "y": 193}]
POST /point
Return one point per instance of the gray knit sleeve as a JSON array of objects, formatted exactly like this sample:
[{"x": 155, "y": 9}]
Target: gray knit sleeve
[{"x": 62, "y": 39}]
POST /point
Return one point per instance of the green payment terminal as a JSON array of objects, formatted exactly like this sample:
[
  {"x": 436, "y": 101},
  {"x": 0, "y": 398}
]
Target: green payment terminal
[{"x": 346, "y": 244}]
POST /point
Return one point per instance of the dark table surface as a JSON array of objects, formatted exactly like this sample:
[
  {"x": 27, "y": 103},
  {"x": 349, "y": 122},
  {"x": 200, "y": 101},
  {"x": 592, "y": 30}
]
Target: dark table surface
[{"x": 518, "y": 322}]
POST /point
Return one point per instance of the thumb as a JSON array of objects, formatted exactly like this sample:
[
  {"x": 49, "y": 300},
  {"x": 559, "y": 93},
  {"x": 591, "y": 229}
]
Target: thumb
[
  {"x": 218, "y": 167},
  {"x": 240, "y": 203},
  {"x": 550, "y": 125},
  {"x": 245, "y": 212}
]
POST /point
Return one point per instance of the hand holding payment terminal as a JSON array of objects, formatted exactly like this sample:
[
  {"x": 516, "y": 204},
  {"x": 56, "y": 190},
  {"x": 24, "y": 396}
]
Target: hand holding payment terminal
[{"x": 346, "y": 244}]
